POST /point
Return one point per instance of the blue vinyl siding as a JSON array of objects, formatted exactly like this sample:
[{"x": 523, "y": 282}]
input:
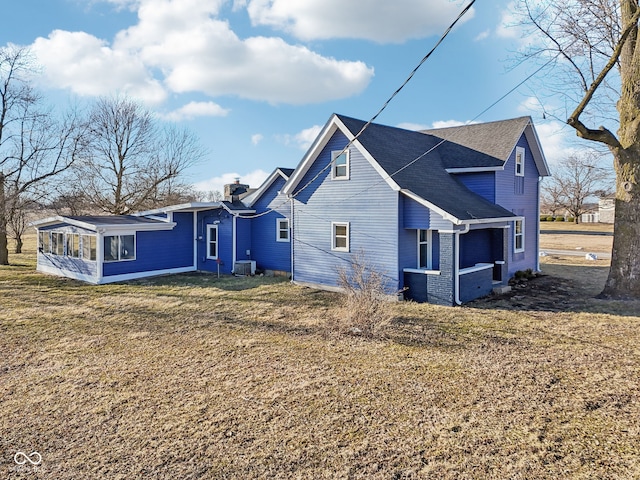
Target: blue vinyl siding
[
  {"x": 525, "y": 204},
  {"x": 268, "y": 253},
  {"x": 372, "y": 214},
  {"x": 476, "y": 247},
  {"x": 159, "y": 250},
  {"x": 225, "y": 240},
  {"x": 243, "y": 238},
  {"x": 482, "y": 183},
  {"x": 415, "y": 215}
]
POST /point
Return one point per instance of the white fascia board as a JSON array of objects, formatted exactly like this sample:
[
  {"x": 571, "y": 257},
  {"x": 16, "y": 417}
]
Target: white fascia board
[
  {"x": 46, "y": 222},
  {"x": 250, "y": 200},
  {"x": 474, "y": 169},
  {"x": 452, "y": 218},
  {"x": 187, "y": 207},
  {"x": 305, "y": 164},
  {"x": 431, "y": 206},
  {"x": 132, "y": 228},
  {"x": 538, "y": 154},
  {"x": 334, "y": 124}
]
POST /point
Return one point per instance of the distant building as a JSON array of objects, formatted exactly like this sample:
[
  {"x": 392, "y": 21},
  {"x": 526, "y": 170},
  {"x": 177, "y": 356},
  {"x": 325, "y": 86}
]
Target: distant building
[{"x": 607, "y": 209}]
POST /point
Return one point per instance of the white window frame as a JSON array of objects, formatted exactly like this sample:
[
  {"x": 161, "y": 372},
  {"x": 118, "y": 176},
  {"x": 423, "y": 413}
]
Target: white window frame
[
  {"x": 516, "y": 235},
  {"x": 119, "y": 237},
  {"x": 73, "y": 239},
  {"x": 282, "y": 225},
  {"x": 334, "y": 157},
  {"x": 519, "y": 161},
  {"x": 334, "y": 236},
  {"x": 211, "y": 228},
  {"x": 429, "y": 244},
  {"x": 83, "y": 248},
  {"x": 41, "y": 236}
]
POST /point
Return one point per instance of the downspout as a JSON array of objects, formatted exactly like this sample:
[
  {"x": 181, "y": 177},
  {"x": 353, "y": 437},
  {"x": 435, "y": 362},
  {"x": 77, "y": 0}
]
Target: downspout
[
  {"x": 538, "y": 228},
  {"x": 195, "y": 240},
  {"x": 234, "y": 247},
  {"x": 293, "y": 230},
  {"x": 456, "y": 264}
]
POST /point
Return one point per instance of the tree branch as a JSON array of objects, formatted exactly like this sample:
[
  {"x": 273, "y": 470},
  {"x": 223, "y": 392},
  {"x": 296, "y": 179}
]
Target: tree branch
[{"x": 602, "y": 134}]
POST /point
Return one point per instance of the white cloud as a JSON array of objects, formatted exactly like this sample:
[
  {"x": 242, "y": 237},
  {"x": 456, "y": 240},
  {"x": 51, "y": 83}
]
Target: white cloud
[
  {"x": 303, "y": 139},
  {"x": 88, "y": 66},
  {"x": 196, "y": 109},
  {"x": 482, "y": 35},
  {"x": 413, "y": 126},
  {"x": 508, "y": 27},
  {"x": 257, "y": 138},
  {"x": 448, "y": 123},
  {"x": 254, "y": 179},
  {"x": 556, "y": 141},
  {"x": 182, "y": 46},
  {"x": 377, "y": 20}
]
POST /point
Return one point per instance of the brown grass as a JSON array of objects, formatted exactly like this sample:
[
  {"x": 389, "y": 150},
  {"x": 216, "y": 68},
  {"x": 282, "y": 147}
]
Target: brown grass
[{"x": 195, "y": 377}]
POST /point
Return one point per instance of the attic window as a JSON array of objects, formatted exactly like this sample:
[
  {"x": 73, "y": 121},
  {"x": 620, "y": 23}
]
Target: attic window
[
  {"x": 340, "y": 165},
  {"x": 519, "y": 162}
]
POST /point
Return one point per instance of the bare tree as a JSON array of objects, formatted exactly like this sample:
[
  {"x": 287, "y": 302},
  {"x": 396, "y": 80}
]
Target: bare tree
[
  {"x": 576, "y": 180},
  {"x": 593, "y": 47},
  {"x": 34, "y": 145},
  {"x": 134, "y": 162}
]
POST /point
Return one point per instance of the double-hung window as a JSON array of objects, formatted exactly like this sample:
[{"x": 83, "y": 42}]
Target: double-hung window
[
  {"x": 340, "y": 165},
  {"x": 212, "y": 242},
  {"x": 44, "y": 244},
  {"x": 519, "y": 162},
  {"x": 282, "y": 230},
  {"x": 424, "y": 249},
  {"x": 119, "y": 247},
  {"x": 340, "y": 236},
  {"x": 518, "y": 236}
]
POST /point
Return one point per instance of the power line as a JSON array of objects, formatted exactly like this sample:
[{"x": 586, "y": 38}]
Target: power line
[{"x": 384, "y": 106}]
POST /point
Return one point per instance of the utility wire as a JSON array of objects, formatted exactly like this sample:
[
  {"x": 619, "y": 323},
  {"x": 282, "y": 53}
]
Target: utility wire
[{"x": 384, "y": 106}]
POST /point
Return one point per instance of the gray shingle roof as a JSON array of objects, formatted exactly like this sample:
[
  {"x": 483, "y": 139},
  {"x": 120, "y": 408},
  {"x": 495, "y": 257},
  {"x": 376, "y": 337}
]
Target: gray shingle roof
[
  {"x": 396, "y": 151},
  {"x": 496, "y": 139}
]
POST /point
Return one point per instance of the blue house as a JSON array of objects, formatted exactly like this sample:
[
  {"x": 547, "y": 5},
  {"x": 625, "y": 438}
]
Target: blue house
[
  {"x": 245, "y": 232},
  {"x": 445, "y": 215}
]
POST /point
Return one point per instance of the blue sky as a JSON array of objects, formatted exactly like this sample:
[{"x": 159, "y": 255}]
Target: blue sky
[{"x": 257, "y": 79}]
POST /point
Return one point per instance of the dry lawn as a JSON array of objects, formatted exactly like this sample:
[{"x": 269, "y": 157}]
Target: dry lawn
[{"x": 194, "y": 377}]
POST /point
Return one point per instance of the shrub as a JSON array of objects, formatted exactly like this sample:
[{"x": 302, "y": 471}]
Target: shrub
[
  {"x": 543, "y": 218},
  {"x": 365, "y": 304},
  {"x": 549, "y": 218},
  {"x": 559, "y": 219}
]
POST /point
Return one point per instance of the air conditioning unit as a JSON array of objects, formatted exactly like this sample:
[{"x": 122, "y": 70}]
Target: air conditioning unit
[{"x": 245, "y": 267}]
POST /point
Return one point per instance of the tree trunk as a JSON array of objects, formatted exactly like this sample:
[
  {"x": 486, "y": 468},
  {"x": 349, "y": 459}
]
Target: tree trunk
[
  {"x": 19, "y": 243},
  {"x": 4, "y": 251},
  {"x": 624, "y": 275}
]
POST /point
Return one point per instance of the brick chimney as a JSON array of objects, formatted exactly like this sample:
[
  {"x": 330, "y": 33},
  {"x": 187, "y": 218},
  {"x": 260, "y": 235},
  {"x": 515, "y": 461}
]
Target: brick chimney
[{"x": 233, "y": 191}]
